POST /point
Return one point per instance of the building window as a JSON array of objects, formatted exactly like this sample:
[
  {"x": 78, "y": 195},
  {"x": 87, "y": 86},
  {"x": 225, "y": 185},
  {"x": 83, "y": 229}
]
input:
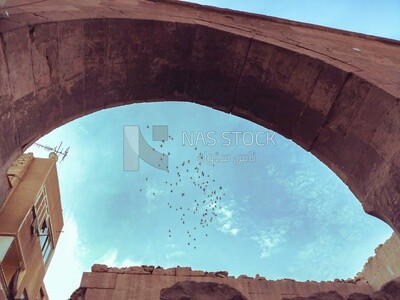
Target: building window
[
  {"x": 46, "y": 242},
  {"x": 42, "y": 224}
]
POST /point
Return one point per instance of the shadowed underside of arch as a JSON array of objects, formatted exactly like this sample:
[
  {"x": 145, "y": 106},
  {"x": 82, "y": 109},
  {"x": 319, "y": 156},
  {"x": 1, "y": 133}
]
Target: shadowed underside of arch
[{"x": 335, "y": 93}]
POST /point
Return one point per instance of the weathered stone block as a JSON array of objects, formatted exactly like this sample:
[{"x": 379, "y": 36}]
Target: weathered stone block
[
  {"x": 18, "y": 56},
  {"x": 198, "y": 273},
  {"x": 148, "y": 268},
  {"x": 99, "y": 294},
  {"x": 221, "y": 274},
  {"x": 99, "y": 280},
  {"x": 99, "y": 268},
  {"x": 159, "y": 272},
  {"x": 200, "y": 290},
  {"x": 170, "y": 271},
  {"x": 210, "y": 274},
  {"x": 71, "y": 50},
  {"x": 136, "y": 270},
  {"x": 258, "y": 277},
  {"x": 116, "y": 270},
  {"x": 183, "y": 271}
]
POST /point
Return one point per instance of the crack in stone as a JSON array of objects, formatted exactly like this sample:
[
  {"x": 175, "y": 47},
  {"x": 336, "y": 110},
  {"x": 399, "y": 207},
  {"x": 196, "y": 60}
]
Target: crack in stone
[
  {"x": 297, "y": 44},
  {"x": 287, "y": 40},
  {"x": 39, "y": 16},
  {"x": 116, "y": 10},
  {"x": 32, "y": 33},
  {"x": 306, "y": 105},
  {"x": 27, "y": 144},
  {"x": 50, "y": 65},
  {"x": 3, "y": 44},
  {"x": 31, "y": 42},
  {"x": 16, "y": 136},
  {"x": 24, "y": 4},
  {"x": 331, "y": 109},
  {"x": 241, "y": 75}
]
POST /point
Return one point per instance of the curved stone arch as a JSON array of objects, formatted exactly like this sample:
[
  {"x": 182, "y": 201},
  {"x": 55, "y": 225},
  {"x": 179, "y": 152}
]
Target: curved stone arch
[{"x": 334, "y": 93}]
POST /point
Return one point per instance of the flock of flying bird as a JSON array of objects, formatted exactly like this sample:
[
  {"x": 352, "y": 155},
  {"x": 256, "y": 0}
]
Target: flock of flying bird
[{"x": 200, "y": 209}]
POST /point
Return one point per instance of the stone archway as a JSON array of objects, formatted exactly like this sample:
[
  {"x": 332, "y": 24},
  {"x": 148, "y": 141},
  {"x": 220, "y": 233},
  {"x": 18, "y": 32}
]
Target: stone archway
[{"x": 334, "y": 93}]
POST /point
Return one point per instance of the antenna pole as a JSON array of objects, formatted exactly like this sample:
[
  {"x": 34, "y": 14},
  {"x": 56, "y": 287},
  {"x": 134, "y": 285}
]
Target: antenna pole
[{"x": 57, "y": 149}]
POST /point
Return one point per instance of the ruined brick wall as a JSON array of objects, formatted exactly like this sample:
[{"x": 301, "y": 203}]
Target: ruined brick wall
[
  {"x": 146, "y": 282},
  {"x": 385, "y": 265}
]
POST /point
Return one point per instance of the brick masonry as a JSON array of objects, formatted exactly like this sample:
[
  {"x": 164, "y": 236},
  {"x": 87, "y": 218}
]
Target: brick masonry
[{"x": 146, "y": 282}]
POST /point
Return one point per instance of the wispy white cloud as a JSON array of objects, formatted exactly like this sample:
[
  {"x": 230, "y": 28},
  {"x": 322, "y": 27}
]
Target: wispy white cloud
[
  {"x": 324, "y": 258},
  {"x": 175, "y": 254},
  {"x": 112, "y": 259},
  {"x": 269, "y": 240},
  {"x": 226, "y": 220},
  {"x": 109, "y": 259}
]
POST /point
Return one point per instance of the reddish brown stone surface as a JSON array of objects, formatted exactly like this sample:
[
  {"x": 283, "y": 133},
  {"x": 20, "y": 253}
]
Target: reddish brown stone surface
[
  {"x": 200, "y": 291},
  {"x": 384, "y": 265},
  {"x": 132, "y": 283},
  {"x": 62, "y": 59},
  {"x": 389, "y": 291},
  {"x": 114, "y": 283}
]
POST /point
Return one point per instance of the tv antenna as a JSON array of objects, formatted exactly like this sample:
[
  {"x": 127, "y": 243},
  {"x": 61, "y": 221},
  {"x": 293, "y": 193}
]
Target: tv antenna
[{"x": 61, "y": 152}]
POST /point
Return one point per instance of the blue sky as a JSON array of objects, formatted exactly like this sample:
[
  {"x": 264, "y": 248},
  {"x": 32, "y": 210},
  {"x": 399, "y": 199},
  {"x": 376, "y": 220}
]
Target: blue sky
[{"x": 280, "y": 214}]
